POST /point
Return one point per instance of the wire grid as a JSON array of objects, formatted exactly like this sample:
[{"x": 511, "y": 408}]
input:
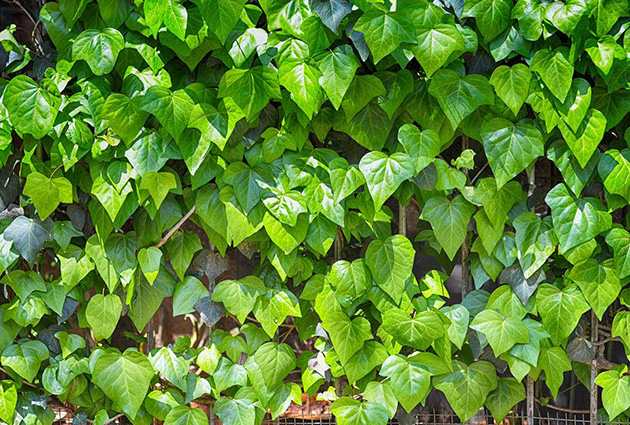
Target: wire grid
[{"x": 441, "y": 418}]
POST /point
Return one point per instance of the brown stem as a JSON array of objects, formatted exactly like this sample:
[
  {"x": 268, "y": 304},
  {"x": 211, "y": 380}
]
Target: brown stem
[
  {"x": 563, "y": 409},
  {"x": 176, "y": 227}
]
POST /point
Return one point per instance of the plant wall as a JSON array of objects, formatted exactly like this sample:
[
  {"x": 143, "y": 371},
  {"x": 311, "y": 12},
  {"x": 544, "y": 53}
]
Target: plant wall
[{"x": 338, "y": 145}]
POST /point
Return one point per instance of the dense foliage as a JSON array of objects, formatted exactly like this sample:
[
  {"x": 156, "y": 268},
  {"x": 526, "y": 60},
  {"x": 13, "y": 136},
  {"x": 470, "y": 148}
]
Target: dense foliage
[{"x": 142, "y": 142}]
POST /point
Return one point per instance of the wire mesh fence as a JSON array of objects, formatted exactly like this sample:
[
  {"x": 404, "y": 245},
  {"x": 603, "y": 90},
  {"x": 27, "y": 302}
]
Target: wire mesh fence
[{"x": 442, "y": 418}]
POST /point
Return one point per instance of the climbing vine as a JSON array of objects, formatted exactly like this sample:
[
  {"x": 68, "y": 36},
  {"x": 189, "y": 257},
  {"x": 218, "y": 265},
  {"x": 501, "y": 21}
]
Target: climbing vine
[{"x": 337, "y": 146}]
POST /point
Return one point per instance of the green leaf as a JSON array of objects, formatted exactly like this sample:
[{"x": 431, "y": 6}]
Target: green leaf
[
  {"x": 512, "y": 84},
  {"x": 347, "y": 336},
  {"x": 369, "y": 128},
  {"x": 599, "y": 283},
  {"x": 250, "y": 89},
  {"x": 235, "y": 411},
  {"x": 418, "y": 332},
  {"x": 102, "y": 314},
  {"x": 158, "y": 185},
  {"x": 337, "y": 70},
  {"x": 536, "y": 241},
  {"x": 239, "y": 296},
  {"x": 99, "y": 48},
  {"x": 497, "y": 202},
  {"x": 184, "y": 415},
  {"x": 410, "y": 380},
  {"x": 187, "y": 293},
  {"x": 584, "y": 141},
  {"x": 391, "y": 262},
  {"x": 344, "y": 179},
  {"x": 384, "y": 31},
  {"x": 331, "y": 12},
  {"x": 349, "y": 411},
  {"x": 575, "y": 176},
  {"x": 508, "y": 393},
  {"x": 449, "y": 220},
  {"x": 172, "y": 109},
  {"x": 69, "y": 343},
  {"x": 28, "y": 235},
  {"x": 384, "y": 174},
  {"x": 510, "y": 148},
  {"x": 555, "y": 362},
  {"x": 619, "y": 241},
  {"x": 350, "y": 280},
  {"x": 32, "y": 108},
  {"x": 47, "y": 193},
  {"x": 247, "y": 183},
  {"x": 223, "y": 14},
  {"x": 616, "y": 391},
  {"x": 614, "y": 168},
  {"x": 437, "y": 43},
  {"x": 382, "y": 393},
  {"x": 114, "y": 12},
  {"x": 8, "y": 400},
  {"x": 467, "y": 387},
  {"x": 181, "y": 248},
  {"x": 150, "y": 260},
  {"x": 25, "y": 358},
  {"x": 72, "y": 10},
  {"x": 576, "y": 221},
  {"x": 370, "y": 356},
  {"x": 491, "y": 16},
  {"x": 460, "y": 96},
  {"x": 560, "y": 310},
  {"x": 502, "y": 333},
  {"x": 301, "y": 78},
  {"x": 124, "y": 378},
  {"x": 422, "y": 147},
  {"x": 124, "y": 116},
  {"x": 555, "y": 71},
  {"x": 173, "y": 367},
  {"x": 363, "y": 89},
  {"x": 276, "y": 361}
]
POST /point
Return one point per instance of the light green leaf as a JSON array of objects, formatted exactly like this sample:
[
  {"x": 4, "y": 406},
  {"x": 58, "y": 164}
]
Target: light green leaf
[
  {"x": 576, "y": 221},
  {"x": 384, "y": 31},
  {"x": 536, "y": 241},
  {"x": 184, "y": 415},
  {"x": 467, "y": 387},
  {"x": 491, "y": 16},
  {"x": 384, "y": 174},
  {"x": 560, "y": 310},
  {"x": 508, "y": 393},
  {"x": 410, "y": 380},
  {"x": 418, "y": 332},
  {"x": 99, "y": 48},
  {"x": 616, "y": 392},
  {"x": 337, "y": 70},
  {"x": 102, "y": 314},
  {"x": 32, "y": 108},
  {"x": 555, "y": 71},
  {"x": 599, "y": 283},
  {"x": 512, "y": 84},
  {"x": 347, "y": 335},
  {"x": 460, "y": 96},
  {"x": 349, "y": 411},
  {"x": 502, "y": 333},
  {"x": 25, "y": 357},
  {"x": 449, "y": 220},
  {"x": 239, "y": 296},
  {"x": 391, "y": 262},
  {"x": 250, "y": 88},
  {"x": 158, "y": 185},
  {"x": 187, "y": 293},
  {"x": 276, "y": 361},
  {"x": 510, "y": 148},
  {"x": 124, "y": 378},
  {"x": 555, "y": 362},
  {"x": 422, "y": 147}
]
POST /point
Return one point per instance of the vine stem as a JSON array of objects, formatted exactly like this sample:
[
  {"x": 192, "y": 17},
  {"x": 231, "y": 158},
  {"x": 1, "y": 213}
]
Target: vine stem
[
  {"x": 594, "y": 337},
  {"x": 465, "y": 251},
  {"x": 176, "y": 227}
]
